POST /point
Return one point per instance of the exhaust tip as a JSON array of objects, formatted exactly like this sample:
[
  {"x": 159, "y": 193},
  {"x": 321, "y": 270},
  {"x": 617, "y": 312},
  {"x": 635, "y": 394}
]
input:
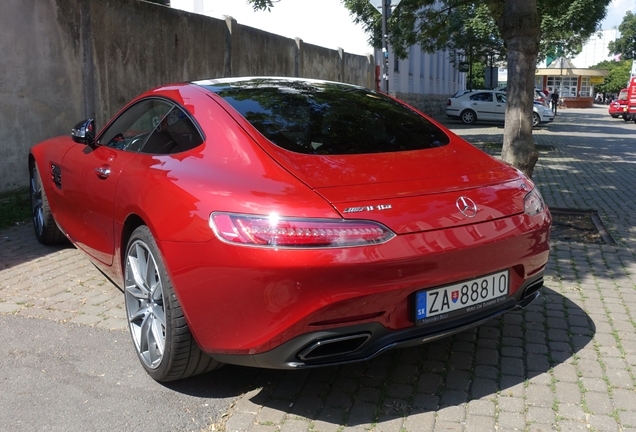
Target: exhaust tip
[
  {"x": 531, "y": 289},
  {"x": 333, "y": 347}
]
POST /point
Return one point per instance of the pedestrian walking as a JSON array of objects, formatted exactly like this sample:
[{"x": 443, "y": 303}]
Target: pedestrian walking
[{"x": 554, "y": 97}]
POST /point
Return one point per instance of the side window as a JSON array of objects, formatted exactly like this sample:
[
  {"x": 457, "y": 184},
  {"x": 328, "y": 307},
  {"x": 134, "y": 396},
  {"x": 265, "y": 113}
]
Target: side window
[
  {"x": 175, "y": 133},
  {"x": 501, "y": 98},
  {"x": 152, "y": 126},
  {"x": 133, "y": 127},
  {"x": 483, "y": 97}
]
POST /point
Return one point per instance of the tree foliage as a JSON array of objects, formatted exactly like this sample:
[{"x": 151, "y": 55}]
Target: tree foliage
[
  {"x": 457, "y": 24},
  {"x": 626, "y": 44},
  {"x": 566, "y": 26},
  {"x": 454, "y": 24},
  {"x": 618, "y": 76},
  {"x": 262, "y": 4}
]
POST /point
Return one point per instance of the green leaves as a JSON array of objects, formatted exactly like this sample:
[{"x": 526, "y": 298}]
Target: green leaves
[
  {"x": 461, "y": 24},
  {"x": 569, "y": 25},
  {"x": 261, "y": 4},
  {"x": 626, "y": 44},
  {"x": 617, "y": 78}
]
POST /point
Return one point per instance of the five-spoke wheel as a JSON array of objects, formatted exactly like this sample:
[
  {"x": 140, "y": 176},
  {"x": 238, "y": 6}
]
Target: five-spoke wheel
[
  {"x": 46, "y": 230},
  {"x": 161, "y": 336},
  {"x": 145, "y": 304}
]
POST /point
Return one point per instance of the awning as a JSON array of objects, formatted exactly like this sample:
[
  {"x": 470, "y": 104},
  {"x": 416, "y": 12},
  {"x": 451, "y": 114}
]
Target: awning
[
  {"x": 564, "y": 67},
  {"x": 571, "y": 72}
]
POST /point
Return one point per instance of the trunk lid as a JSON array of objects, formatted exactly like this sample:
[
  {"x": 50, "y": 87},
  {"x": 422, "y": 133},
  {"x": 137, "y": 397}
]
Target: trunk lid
[{"x": 414, "y": 191}]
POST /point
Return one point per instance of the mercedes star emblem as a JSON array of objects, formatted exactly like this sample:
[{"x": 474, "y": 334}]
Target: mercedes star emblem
[{"x": 466, "y": 206}]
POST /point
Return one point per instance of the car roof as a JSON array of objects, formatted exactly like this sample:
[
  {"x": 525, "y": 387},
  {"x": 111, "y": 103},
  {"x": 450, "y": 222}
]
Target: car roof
[
  {"x": 469, "y": 92},
  {"x": 218, "y": 84}
]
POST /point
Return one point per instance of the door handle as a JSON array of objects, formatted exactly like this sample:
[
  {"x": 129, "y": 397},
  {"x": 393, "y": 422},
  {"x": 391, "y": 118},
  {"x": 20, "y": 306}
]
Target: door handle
[{"x": 103, "y": 171}]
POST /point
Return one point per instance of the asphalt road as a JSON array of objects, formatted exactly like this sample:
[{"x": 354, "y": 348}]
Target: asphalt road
[{"x": 68, "y": 377}]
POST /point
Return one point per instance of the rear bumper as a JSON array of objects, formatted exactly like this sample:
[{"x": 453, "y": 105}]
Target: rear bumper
[
  {"x": 253, "y": 303},
  {"x": 365, "y": 341}
]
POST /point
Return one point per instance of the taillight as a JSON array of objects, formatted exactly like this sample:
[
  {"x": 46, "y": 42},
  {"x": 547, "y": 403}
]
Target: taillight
[
  {"x": 448, "y": 102},
  {"x": 276, "y": 231},
  {"x": 533, "y": 203}
]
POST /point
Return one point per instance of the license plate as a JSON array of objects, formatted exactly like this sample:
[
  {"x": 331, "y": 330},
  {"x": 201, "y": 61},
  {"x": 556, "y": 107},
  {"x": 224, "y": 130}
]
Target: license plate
[{"x": 468, "y": 295}]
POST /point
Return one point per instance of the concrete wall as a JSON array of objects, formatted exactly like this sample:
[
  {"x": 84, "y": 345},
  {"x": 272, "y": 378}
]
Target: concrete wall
[
  {"x": 432, "y": 105},
  {"x": 40, "y": 80},
  {"x": 138, "y": 45},
  {"x": 67, "y": 60}
]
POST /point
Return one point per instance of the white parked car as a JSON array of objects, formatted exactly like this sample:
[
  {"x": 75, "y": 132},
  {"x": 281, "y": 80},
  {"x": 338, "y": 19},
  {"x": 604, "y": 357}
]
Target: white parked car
[{"x": 490, "y": 105}]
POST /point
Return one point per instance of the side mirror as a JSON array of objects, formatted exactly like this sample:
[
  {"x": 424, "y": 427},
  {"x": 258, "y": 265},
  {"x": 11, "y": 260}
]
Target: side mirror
[{"x": 84, "y": 132}]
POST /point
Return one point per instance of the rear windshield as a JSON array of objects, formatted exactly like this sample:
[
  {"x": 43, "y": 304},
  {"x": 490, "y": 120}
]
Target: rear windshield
[{"x": 328, "y": 118}]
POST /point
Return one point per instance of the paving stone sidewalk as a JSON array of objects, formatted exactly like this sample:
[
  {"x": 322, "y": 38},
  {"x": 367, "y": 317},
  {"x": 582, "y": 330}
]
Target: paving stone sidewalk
[
  {"x": 57, "y": 283},
  {"x": 565, "y": 363}
]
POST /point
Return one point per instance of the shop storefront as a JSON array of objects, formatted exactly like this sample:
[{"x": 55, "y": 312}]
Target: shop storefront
[{"x": 575, "y": 86}]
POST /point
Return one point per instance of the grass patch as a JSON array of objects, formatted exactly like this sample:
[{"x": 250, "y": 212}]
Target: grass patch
[{"x": 15, "y": 208}]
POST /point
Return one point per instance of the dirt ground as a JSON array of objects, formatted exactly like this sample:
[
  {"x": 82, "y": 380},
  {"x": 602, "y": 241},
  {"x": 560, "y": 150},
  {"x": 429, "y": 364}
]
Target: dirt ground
[{"x": 575, "y": 228}]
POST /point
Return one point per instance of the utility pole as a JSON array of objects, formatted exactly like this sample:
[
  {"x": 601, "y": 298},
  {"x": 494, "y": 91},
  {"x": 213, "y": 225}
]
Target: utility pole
[{"x": 386, "y": 8}]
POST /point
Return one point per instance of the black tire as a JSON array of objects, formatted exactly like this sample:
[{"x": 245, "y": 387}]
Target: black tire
[
  {"x": 155, "y": 317},
  {"x": 536, "y": 119},
  {"x": 625, "y": 118},
  {"x": 468, "y": 117},
  {"x": 46, "y": 230}
]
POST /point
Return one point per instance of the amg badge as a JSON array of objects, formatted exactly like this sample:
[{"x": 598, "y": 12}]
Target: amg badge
[{"x": 367, "y": 208}]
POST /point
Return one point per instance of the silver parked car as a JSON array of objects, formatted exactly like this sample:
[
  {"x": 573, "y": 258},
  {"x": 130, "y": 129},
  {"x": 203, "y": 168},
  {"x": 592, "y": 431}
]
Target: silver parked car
[{"x": 489, "y": 105}]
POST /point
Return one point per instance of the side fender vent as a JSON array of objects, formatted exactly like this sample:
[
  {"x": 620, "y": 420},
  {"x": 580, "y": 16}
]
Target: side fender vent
[{"x": 56, "y": 175}]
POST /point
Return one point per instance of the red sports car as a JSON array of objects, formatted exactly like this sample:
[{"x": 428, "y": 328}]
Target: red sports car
[
  {"x": 618, "y": 107},
  {"x": 287, "y": 223}
]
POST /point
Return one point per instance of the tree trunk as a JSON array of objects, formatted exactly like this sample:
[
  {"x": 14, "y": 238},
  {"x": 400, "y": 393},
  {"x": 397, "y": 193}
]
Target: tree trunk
[{"x": 521, "y": 31}]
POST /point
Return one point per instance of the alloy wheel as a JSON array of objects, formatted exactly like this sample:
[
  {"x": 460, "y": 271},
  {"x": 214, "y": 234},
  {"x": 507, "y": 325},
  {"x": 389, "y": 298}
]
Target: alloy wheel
[
  {"x": 145, "y": 304},
  {"x": 36, "y": 202}
]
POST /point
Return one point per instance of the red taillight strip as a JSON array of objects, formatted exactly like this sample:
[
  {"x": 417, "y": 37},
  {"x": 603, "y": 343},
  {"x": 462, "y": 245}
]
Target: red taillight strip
[{"x": 275, "y": 231}]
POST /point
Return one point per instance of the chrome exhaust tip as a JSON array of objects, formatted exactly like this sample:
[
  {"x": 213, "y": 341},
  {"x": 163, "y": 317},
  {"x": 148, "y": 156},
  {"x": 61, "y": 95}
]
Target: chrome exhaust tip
[{"x": 333, "y": 347}]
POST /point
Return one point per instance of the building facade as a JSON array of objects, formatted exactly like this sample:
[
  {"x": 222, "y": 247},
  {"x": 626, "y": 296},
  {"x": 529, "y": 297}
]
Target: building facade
[
  {"x": 595, "y": 50},
  {"x": 574, "y": 85},
  {"x": 423, "y": 80},
  {"x": 423, "y": 73}
]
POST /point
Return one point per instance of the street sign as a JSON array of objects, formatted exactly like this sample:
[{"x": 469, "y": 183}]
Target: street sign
[
  {"x": 597, "y": 80},
  {"x": 464, "y": 67},
  {"x": 378, "y": 4}
]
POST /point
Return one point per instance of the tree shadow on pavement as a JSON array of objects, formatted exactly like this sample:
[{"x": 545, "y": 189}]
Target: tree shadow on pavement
[{"x": 499, "y": 357}]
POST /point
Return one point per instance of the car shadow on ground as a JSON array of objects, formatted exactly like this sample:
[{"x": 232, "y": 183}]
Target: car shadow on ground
[
  {"x": 454, "y": 123},
  {"x": 19, "y": 245},
  {"x": 499, "y": 357}
]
